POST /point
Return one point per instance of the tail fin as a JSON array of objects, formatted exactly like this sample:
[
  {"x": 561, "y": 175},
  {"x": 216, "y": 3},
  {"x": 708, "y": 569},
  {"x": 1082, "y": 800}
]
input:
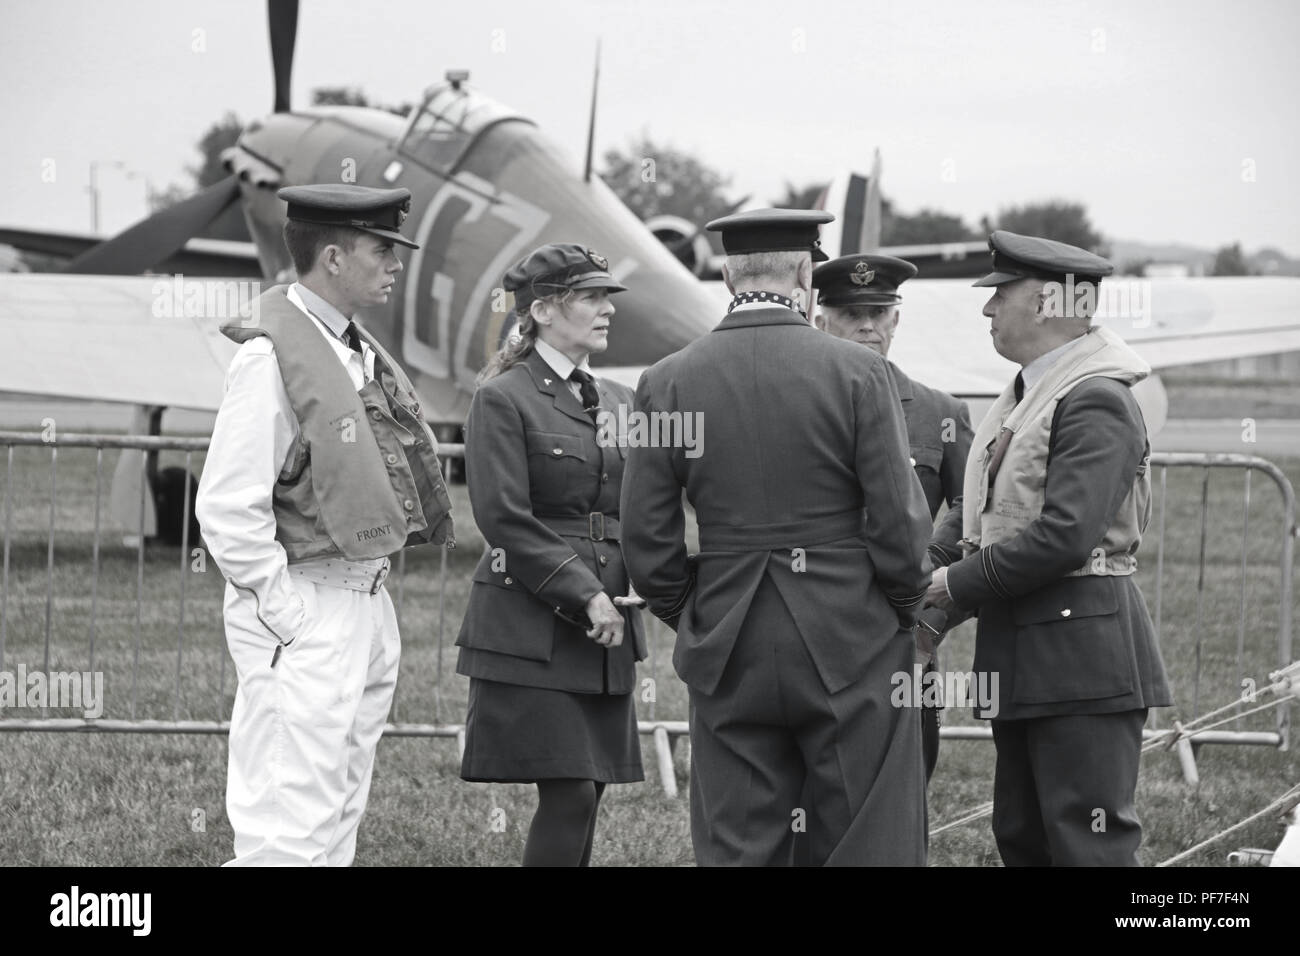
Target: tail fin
[{"x": 855, "y": 200}]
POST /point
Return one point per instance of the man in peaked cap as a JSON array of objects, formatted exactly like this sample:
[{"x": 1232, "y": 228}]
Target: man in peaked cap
[
  {"x": 795, "y": 615},
  {"x": 320, "y": 466},
  {"x": 860, "y": 301},
  {"x": 1055, "y": 499}
]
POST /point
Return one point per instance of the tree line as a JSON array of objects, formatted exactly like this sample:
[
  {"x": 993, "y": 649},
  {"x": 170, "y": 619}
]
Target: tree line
[{"x": 654, "y": 178}]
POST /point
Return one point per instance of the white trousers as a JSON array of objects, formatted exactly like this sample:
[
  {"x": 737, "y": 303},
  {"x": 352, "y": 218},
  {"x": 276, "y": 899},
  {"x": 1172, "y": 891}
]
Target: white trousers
[{"x": 303, "y": 734}]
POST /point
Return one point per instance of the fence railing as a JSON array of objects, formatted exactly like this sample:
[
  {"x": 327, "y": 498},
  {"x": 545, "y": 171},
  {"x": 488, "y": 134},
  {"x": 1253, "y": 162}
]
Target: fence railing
[{"x": 71, "y": 592}]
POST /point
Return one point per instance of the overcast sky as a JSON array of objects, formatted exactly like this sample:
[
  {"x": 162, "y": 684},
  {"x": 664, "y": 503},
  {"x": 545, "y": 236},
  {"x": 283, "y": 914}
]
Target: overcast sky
[{"x": 1171, "y": 121}]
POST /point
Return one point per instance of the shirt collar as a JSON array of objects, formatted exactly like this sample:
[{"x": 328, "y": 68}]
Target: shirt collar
[
  {"x": 1035, "y": 370},
  {"x": 557, "y": 360},
  {"x": 333, "y": 319}
]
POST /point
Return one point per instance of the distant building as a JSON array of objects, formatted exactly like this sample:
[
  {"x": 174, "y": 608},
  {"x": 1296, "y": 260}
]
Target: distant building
[
  {"x": 1279, "y": 368},
  {"x": 1166, "y": 270}
]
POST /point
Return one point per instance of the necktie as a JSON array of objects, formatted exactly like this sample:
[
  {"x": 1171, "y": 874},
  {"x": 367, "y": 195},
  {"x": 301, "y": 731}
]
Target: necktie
[
  {"x": 587, "y": 385},
  {"x": 352, "y": 337},
  {"x": 1004, "y": 438}
]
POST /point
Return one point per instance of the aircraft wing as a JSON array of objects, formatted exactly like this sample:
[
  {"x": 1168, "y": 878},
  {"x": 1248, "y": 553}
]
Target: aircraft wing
[
  {"x": 125, "y": 339},
  {"x": 98, "y": 338},
  {"x": 943, "y": 337},
  {"x": 1173, "y": 322},
  {"x": 198, "y": 257}
]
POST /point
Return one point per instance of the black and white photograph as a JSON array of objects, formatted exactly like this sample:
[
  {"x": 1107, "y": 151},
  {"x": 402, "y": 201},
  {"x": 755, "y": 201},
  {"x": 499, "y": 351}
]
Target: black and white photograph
[{"x": 718, "y": 434}]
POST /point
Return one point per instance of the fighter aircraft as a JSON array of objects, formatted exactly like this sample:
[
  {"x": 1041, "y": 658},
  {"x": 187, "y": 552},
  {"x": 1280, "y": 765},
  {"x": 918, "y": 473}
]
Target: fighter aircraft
[{"x": 487, "y": 186}]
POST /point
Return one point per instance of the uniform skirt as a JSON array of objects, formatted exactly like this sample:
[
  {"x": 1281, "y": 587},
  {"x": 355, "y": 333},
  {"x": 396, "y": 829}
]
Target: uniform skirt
[{"x": 516, "y": 734}]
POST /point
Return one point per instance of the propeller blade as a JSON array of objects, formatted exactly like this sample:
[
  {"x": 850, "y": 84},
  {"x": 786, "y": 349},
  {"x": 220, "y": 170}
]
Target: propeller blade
[
  {"x": 678, "y": 247},
  {"x": 283, "y": 17},
  {"x": 152, "y": 240},
  {"x": 591, "y": 122}
]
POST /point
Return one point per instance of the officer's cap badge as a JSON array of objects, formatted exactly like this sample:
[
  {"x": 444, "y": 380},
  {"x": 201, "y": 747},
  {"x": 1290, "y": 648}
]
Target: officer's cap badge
[{"x": 862, "y": 274}]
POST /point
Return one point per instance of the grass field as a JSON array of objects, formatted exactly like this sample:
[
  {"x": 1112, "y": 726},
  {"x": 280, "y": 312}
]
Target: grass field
[{"x": 138, "y": 799}]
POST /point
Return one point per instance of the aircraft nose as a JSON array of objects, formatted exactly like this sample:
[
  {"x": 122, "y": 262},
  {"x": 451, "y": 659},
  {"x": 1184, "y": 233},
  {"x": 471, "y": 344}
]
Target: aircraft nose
[
  {"x": 664, "y": 307},
  {"x": 656, "y": 317}
]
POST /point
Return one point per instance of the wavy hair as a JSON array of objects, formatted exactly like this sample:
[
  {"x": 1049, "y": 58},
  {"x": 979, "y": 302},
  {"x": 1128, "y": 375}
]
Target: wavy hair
[{"x": 522, "y": 340}]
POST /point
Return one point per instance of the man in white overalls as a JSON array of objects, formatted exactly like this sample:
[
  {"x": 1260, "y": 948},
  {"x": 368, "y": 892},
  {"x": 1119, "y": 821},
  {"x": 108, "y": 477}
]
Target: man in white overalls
[{"x": 320, "y": 467}]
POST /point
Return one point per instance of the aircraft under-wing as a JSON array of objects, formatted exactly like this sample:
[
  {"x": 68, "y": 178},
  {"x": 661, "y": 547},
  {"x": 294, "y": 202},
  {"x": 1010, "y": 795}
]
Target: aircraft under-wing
[{"x": 487, "y": 187}]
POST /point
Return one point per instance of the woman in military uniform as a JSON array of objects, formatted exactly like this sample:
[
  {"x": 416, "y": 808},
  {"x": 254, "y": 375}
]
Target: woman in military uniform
[{"x": 551, "y": 636}]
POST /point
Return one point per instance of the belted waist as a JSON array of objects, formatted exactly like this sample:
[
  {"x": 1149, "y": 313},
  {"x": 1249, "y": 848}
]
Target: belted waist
[
  {"x": 780, "y": 535},
  {"x": 597, "y": 526},
  {"x": 366, "y": 576}
]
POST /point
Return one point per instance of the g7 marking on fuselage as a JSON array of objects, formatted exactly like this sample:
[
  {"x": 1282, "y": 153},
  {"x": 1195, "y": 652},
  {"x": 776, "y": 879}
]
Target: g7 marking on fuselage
[{"x": 439, "y": 291}]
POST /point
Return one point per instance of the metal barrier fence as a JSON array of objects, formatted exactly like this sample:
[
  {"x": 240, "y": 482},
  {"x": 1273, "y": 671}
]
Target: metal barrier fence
[
  {"x": 1246, "y": 695},
  {"x": 166, "y": 643},
  {"x": 174, "y": 612},
  {"x": 1229, "y": 692}
]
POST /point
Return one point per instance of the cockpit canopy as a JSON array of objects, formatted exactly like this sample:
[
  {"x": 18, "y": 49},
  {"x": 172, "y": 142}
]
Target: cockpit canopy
[{"x": 444, "y": 127}]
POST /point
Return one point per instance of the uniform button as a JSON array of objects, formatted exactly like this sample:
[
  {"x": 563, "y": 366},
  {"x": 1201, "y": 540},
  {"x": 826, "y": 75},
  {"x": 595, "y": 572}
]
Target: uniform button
[
  {"x": 392, "y": 459},
  {"x": 604, "y": 560},
  {"x": 510, "y": 580},
  {"x": 1065, "y": 613},
  {"x": 376, "y": 414},
  {"x": 558, "y": 451},
  {"x": 408, "y": 504},
  {"x": 912, "y": 462},
  {"x": 604, "y": 477}
]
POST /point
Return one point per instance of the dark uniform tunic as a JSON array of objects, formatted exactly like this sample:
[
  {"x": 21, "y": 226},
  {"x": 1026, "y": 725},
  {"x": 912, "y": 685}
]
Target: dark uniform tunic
[
  {"x": 794, "y": 616},
  {"x": 1076, "y": 656},
  {"x": 546, "y": 701},
  {"x": 939, "y": 436}
]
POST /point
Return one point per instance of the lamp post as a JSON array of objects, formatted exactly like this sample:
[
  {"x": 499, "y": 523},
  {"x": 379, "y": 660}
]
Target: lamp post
[{"x": 95, "y": 166}]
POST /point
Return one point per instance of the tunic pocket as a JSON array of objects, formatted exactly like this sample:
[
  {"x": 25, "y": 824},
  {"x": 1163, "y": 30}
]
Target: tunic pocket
[
  {"x": 506, "y": 618},
  {"x": 556, "y": 463},
  {"x": 1070, "y": 643},
  {"x": 555, "y": 445},
  {"x": 925, "y": 457}
]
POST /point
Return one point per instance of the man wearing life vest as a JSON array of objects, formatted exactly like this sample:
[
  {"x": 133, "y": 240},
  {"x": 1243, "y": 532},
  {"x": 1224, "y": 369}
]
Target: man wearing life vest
[
  {"x": 1055, "y": 499},
  {"x": 320, "y": 467}
]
